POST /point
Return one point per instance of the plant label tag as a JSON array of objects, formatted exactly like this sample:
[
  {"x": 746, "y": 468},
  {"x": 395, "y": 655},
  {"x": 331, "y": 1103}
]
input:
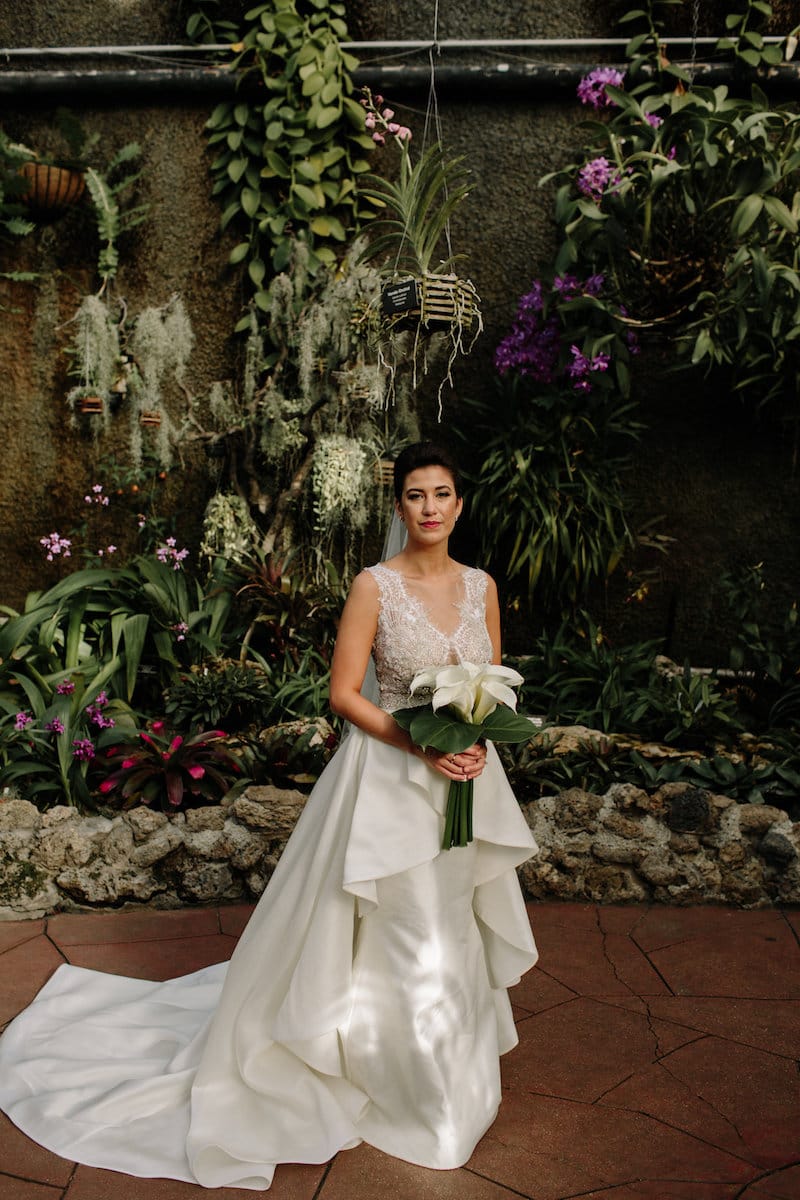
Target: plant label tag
[{"x": 400, "y": 297}]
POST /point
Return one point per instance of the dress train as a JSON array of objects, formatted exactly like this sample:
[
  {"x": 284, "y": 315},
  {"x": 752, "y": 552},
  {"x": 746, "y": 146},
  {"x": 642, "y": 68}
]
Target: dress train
[{"x": 365, "y": 1000}]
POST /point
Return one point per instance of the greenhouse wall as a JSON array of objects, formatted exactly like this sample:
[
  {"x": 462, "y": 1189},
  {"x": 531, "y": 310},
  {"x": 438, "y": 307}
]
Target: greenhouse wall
[{"x": 721, "y": 484}]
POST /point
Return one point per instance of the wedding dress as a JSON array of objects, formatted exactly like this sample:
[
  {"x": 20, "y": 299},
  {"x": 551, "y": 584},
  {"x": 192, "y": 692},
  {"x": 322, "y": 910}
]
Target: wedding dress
[{"x": 365, "y": 1001}]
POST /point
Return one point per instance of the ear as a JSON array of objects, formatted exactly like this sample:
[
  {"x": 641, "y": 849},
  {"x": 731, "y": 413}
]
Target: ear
[
  {"x": 398, "y": 508},
  {"x": 459, "y": 506}
]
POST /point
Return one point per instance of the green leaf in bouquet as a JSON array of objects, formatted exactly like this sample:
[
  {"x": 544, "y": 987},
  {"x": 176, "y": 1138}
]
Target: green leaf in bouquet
[
  {"x": 505, "y": 725},
  {"x": 437, "y": 729}
]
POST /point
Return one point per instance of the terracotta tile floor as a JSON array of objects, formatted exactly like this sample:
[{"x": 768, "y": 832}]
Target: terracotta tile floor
[{"x": 658, "y": 1060}]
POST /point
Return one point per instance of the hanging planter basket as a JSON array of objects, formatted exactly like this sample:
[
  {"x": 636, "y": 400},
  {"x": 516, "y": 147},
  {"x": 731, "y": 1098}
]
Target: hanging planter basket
[
  {"x": 384, "y": 472},
  {"x": 437, "y": 302},
  {"x": 91, "y": 405},
  {"x": 50, "y": 190}
]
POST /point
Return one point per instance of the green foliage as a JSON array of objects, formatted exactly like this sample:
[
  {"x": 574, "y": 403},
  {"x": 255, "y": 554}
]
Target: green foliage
[
  {"x": 294, "y": 753},
  {"x": 743, "y": 39},
  {"x": 289, "y": 613},
  {"x": 220, "y": 694},
  {"x": 766, "y": 644},
  {"x": 547, "y": 498},
  {"x": 764, "y": 649},
  {"x": 578, "y": 677},
  {"x": 536, "y": 769},
  {"x": 48, "y": 739},
  {"x": 695, "y": 228},
  {"x": 301, "y": 688},
  {"x": 133, "y": 628},
  {"x": 415, "y": 210},
  {"x": 12, "y": 212},
  {"x": 324, "y": 382},
  {"x": 172, "y": 772},
  {"x": 113, "y": 215},
  {"x": 644, "y": 47},
  {"x": 291, "y": 147}
]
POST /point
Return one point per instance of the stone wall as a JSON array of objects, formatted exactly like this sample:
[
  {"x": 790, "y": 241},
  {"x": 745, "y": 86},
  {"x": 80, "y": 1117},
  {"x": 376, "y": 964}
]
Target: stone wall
[{"x": 680, "y": 845}]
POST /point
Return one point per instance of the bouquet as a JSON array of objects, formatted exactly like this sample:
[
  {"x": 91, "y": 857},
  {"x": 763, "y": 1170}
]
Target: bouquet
[{"x": 469, "y": 703}]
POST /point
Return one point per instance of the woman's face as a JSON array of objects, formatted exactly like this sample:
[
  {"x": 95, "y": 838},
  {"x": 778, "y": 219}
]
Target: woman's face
[{"x": 429, "y": 506}]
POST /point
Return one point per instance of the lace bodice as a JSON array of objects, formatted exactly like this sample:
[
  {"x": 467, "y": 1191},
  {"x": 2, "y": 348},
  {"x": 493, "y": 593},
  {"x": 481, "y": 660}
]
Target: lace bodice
[{"x": 407, "y": 640}]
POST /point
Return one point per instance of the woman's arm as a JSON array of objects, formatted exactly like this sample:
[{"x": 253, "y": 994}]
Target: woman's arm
[
  {"x": 357, "y": 628},
  {"x": 493, "y": 619}
]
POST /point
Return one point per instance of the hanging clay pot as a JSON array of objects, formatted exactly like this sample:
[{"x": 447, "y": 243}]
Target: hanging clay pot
[
  {"x": 50, "y": 190},
  {"x": 150, "y": 418}
]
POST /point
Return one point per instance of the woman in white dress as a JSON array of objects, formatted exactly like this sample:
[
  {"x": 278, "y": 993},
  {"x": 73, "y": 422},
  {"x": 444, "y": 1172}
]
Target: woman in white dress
[{"x": 366, "y": 999}]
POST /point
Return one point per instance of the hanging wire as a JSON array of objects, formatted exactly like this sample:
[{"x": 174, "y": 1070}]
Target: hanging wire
[
  {"x": 432, "y": 115},
  {"x": 432, "y": 120},
  {"x": 693, "y": 53}
]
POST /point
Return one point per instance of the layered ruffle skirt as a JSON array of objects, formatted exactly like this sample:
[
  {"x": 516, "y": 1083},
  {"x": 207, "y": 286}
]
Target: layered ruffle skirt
[{"x": 365, "y": 1001}]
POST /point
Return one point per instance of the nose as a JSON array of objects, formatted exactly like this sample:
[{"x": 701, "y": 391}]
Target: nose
[{"x": 429, "y": 504}]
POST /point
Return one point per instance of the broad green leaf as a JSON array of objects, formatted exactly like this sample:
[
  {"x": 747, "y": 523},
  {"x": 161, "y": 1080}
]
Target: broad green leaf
[
  {"x": 257, "y": 269},
  {"x": 277, "y": 164},
  {"x": 250, "y": 201},
  {"x": 239, "y": 253},
  {"x": 237, "y": 168},
  {"x": 746, "y": 213},
  {"x": 780, "y": 213},
  {"x": 505, "y": 725},
  {"x": 307, "y": 195},
  {"x": 327, "y": 116},
  {"x": 313, "y": 84}
]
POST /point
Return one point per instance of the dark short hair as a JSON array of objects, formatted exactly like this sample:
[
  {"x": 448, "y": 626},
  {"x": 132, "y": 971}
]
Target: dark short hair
[{"x": 423, "y": 454}]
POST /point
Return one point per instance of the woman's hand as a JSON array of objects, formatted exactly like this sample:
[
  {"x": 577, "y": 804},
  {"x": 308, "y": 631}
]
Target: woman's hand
[{"x": 467, "y": 764}]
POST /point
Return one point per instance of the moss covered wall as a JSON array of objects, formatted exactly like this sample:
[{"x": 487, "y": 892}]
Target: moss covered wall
[{"x": 727, "y": 493}]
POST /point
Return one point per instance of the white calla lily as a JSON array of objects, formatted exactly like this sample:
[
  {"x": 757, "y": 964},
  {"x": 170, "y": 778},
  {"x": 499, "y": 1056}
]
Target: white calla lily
[
  {"x": 489, "y": 696},
  {"x": 469, "y": 694},
  {"x": 469, "y": 690}
]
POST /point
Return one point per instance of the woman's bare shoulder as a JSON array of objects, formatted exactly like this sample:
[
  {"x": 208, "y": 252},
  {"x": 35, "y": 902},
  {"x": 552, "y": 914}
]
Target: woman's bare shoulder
[{"x": 364, "y": 588}]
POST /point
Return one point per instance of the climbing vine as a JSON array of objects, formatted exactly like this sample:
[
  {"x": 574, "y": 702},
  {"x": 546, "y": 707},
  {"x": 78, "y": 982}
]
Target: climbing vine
[{"x": 292, "y": 143}]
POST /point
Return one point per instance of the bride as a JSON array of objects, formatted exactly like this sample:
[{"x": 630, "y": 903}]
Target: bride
[{"x": 366, "y": 999}]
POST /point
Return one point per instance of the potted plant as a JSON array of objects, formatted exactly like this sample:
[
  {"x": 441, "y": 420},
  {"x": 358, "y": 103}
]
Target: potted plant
[
  {"x": 97, "y": 361},
  {"x": 421, "y": 291},
  {"x": 50, "y": 189}
]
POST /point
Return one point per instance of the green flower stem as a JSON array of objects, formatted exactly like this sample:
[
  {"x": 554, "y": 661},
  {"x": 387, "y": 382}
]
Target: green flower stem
[{"x": 458, "y": 817}]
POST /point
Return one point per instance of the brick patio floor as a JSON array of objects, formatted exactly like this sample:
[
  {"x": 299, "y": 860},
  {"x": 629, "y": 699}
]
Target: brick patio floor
[{"x": 658, "y": 1060}]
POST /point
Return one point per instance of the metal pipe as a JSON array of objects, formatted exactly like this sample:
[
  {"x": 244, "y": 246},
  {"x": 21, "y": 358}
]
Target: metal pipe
[
  {"x": 527, "y": 79},
  {"x": 106, "y": 51},
  {"x": 175, "y": 82},
  {"x": 357, "y": 47}
]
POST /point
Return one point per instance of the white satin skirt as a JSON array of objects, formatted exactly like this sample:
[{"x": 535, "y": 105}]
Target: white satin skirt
[{"x": 366, "y": 1001}]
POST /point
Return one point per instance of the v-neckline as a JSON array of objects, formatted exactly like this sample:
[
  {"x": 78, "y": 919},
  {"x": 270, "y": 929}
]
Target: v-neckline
[{"x": 420, "y": 604}]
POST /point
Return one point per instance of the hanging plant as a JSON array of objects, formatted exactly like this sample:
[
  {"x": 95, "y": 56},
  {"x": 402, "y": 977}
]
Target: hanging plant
[
  {"x": 290, "y": 149},
  {"x": 338, "y": 482},
  {"x": 50, "y": 190},
  {"x": 97, "y": 361},
  {"x": 110, "y": 190},
  {"x": 410, "y": 237},
  {"x": 160, "y": 346}
]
